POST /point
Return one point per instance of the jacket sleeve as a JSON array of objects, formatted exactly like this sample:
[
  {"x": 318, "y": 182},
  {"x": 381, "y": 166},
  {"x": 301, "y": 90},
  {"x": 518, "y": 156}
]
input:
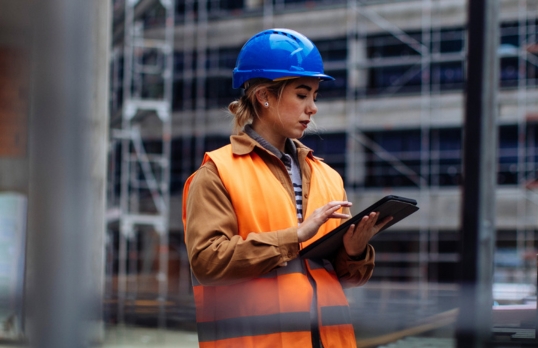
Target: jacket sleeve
[
  {"x": 217, "y": 254},
  {"x": 353, "y": 272}
]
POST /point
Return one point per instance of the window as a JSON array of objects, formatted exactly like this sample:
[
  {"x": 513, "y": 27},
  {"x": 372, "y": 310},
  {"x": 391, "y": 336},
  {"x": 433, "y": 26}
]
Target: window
[
  {"x": 227, "y": 57},
  {"x": 182, "y": 8},
  {"x": 402, "y": 78},
  {"x": 213, "y": 142},
  {"x": 183, "y": 97},
  {"x": 183, "y": 155},
  {"x": 398, "y": 255},
  {"x": 405, "y": 146},
  {"x": 331, "y": 147},
  {"x": 511, "y": 254},
  {"x": 219, "y": 92},
  {"x": 334, "y": 55},
  {"x": 443, "y": 165},
  {"x": 332, "y": 50},
  {"x": 218, "y": 84},
  {"x": 448, "y": 75},
  {"x": 445, "y": 156},
  {"x": 179, "y": 62},
  {"x": 152, "y": 87},
  {"x": 154, "y": 17},
  {"x": 305, "y": 3},
  {"x": 231, "y": 4},
  {"x": 531, "y": 153},
  {"x": 214, "y": 8},
  {"x": 399, "y": 261},
  {"x": 451, "y": 41},
  {"x": 182, "y": 162},
  {"x": 509, "y": 73},
  {"x": 397, "y": 67},
  {"x": 507, "y": 172},
  {"x": 116, "y": 84},
  {"x": 513, "y": 67},
  {"x": 333, "y": 89},
  {"x": 385, "y": 46}
]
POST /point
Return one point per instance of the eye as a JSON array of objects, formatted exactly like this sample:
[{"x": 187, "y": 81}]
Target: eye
[{"x": 301, "y": 96}]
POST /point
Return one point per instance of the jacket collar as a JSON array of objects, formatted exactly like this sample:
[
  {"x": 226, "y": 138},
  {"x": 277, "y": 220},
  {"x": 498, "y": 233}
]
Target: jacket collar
[{"x": 242, "y": 144}]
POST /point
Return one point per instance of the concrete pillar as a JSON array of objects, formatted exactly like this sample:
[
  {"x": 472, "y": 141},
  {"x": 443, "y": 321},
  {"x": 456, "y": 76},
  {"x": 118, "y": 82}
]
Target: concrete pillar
[{"x": 67, "y": 151}]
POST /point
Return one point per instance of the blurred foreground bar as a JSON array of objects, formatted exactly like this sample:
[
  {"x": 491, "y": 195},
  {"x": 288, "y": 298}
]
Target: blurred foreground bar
[
  {"x": 67, "y": 150},
  {"x": 479, "y": 175}
]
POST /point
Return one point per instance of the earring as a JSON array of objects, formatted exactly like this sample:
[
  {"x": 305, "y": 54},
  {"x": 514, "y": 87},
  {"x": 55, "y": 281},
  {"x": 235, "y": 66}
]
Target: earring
[{"x": 266, "y": 104}]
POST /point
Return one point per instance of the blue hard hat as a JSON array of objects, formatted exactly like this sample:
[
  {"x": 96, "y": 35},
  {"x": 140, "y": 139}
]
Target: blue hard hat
[{"x": 276, "y": 54}]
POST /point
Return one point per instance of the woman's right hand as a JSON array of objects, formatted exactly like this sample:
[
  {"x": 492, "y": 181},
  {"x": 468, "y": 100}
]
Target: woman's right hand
[{"x": 309, "y": 227}]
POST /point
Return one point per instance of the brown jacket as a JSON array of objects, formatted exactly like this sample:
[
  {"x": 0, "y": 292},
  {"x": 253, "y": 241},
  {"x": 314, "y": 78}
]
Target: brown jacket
[{"x": 219, "y": 256}]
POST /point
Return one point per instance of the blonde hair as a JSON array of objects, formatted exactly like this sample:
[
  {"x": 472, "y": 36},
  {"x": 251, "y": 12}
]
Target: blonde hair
[{"x": 247, "y": 107}]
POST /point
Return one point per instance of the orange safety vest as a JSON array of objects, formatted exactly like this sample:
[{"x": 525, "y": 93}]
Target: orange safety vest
[{"x": 272, "y": 310}]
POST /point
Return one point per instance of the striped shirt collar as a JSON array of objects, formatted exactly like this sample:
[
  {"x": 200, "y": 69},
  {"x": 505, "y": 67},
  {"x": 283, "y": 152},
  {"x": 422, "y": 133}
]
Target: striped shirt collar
[{"x": 290, "y": 147}]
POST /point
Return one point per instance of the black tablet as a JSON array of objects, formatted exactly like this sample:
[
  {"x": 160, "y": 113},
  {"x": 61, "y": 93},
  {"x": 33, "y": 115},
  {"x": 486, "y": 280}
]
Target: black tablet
[{"x": 395, "y": 206}]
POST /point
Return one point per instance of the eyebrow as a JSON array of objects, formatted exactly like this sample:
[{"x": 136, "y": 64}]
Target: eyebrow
[{"x": 308, "y": 88}]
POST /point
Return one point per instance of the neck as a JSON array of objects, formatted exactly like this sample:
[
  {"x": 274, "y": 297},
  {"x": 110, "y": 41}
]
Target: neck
[{"x": 276, "y": 140}]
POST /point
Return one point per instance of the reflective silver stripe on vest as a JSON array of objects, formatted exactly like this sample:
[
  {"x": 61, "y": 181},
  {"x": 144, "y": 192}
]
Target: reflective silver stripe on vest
[
  {"x": 293, "y": 266},
  {"x": 335, "y": 315},
  {"x": 320, "y": 263},
  {"x": 253, "y": 326}
]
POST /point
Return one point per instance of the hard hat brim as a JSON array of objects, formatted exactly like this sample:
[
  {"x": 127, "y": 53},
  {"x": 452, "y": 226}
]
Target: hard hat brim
[{"x": 240, "y": 77}]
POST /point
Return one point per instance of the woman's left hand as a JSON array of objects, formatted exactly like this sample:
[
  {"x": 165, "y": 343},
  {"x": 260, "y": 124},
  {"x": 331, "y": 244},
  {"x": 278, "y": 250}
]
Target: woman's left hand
[{"x": 358, "y": 236}]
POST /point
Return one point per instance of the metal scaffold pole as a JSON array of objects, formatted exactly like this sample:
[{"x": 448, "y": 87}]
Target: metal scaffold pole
[
  {"x": 479, "y": 168},
  {"x": 145, "y": 175}
]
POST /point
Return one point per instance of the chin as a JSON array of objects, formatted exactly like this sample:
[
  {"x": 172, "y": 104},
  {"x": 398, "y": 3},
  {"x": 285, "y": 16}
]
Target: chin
[{"x": 298, "y": 135}]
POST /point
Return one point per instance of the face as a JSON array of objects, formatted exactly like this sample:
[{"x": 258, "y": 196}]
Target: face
[{"x": 290, "y": 116}]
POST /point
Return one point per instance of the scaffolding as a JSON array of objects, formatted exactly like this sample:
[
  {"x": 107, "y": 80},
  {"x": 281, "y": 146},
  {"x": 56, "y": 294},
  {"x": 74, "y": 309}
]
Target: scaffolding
[
  {"x": 203, "y": 28},
  {"x": 426, "y": 45},
  {"x": 424, "y": 33},
  {"x": 358, "y": 63},
  {"x": 139, "y": 165}
]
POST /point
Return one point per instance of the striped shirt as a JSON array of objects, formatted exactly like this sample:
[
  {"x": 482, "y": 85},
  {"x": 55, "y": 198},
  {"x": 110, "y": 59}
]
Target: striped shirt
[{"x": 295, "y": 176}]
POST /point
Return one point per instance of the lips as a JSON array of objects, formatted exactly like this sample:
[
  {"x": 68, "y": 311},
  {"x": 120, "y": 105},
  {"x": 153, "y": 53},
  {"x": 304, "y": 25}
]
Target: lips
[{"x": 304, "y": 123}]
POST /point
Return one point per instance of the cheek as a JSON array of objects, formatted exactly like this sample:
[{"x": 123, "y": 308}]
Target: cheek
[{"x": 292, "y": 109}]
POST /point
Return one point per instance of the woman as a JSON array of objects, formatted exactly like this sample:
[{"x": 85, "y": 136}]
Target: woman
[{"x": 255, "y": 203}]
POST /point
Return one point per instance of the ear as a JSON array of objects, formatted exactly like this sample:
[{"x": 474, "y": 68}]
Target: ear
[{"x": 261, "y": 95}]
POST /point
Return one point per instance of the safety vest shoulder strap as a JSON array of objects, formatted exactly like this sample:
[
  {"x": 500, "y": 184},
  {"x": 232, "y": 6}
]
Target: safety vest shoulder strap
[{"x": 260, "y": 201}]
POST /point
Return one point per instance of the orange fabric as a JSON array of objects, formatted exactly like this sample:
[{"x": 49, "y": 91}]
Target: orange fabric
[
  {"x": 218, "y": 255},
  {"x": 252, "y": 298},
  {"x": 255, "y": 208},
  {"x": 262, "y": 204},
  {"x": 285, "y": 339},
  {"x": 325, "y": 185}
]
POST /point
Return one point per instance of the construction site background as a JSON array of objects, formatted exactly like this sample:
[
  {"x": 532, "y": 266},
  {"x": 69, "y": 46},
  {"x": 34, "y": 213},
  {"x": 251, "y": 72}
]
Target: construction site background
[{"x": 106, "y": 107}]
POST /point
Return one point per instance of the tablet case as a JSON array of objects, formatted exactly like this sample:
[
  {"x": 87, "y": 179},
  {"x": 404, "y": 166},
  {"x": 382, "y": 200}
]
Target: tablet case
[{"x": 395, "y": 206}]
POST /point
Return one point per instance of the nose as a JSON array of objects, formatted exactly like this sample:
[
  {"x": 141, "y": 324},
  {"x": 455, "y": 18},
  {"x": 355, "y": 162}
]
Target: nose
[{"x": 311, "y": 108}]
